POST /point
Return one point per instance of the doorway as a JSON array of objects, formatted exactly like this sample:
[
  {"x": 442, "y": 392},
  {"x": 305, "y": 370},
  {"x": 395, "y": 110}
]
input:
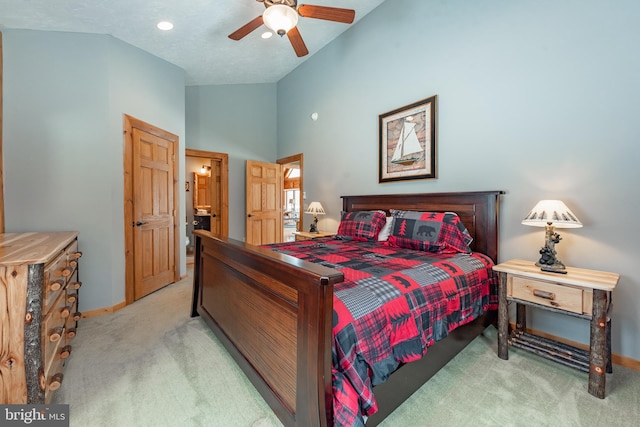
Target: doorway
[
  {"x": 293, "y": 197},
  {"x": 151, "y": 208},
  {"x": 207, "y": 195}
]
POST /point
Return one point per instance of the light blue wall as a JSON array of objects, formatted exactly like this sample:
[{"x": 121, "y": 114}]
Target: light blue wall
[
  {"x": 537, "y": 98},
  {"x": 64, "y": 99},
  {"x": 239, "y": 120}
]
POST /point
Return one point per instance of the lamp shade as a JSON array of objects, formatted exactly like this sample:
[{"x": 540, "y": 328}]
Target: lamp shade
[
  {"x": 315, "y": 208},
  {"x": 280, "y": 18},
  {"x": 552, "y": 212}
]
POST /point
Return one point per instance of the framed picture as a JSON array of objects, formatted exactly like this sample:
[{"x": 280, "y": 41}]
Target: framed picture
[{"x": 408, "y": 142}]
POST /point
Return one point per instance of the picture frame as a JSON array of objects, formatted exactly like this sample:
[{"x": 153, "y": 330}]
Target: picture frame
[{"x": 408, "y": 142}]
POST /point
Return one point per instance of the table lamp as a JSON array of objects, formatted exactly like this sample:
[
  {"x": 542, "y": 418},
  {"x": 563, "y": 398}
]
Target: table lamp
[
  {"x": 551, "y": 214},
  {"x": 316, "y": 209}
]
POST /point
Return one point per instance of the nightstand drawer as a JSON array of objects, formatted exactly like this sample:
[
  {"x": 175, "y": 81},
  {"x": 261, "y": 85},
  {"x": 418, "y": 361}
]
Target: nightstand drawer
[{"x": 562, "y": 297}]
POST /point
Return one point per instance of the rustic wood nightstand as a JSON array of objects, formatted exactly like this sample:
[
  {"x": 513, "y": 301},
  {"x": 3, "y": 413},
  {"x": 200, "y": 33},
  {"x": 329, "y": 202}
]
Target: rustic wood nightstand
[
  {"x": 581, "y": 293},
  {"x": 305, "y": 235}
]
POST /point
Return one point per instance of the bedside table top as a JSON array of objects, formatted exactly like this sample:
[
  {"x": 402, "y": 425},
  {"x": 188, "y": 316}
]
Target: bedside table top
[{"x": 592, "y": 279}]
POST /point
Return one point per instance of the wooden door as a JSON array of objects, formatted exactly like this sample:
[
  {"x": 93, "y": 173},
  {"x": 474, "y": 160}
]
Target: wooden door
[
  {"x": 215, "y": 190},
  {"x": 151, "y": 209},
  {"x": 263, "y": 202}
]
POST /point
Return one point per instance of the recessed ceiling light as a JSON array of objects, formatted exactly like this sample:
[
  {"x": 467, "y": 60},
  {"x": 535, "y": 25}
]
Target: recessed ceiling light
[
  {"x": 267, "y": 35},
  {"x": 165, "y": 25}
]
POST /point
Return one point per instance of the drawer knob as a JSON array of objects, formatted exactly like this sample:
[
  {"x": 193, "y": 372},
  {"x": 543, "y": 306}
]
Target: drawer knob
[
  {"x": 73, "y": 263},
  {"x": 67, "y": 271},
  {"x": 56, "y": 285},
  {"x": 77, "y": 316},
  {"x": 544, "y": 294},
  {"x": 75, "y": 285},
  {"x": 65, "y": 352},
  {"x": 76, "y": 255},
  {"x": 56, "y": 334},
  {"x": 71, "y": 298},
  {"x": 71, "y": 333},
  {"x": 65, "y": 312},
  {"x": 55, "y": 382}
]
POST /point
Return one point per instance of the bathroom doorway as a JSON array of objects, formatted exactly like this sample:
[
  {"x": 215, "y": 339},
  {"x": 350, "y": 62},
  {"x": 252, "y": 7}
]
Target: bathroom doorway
[{"x": 206, "y": 195}]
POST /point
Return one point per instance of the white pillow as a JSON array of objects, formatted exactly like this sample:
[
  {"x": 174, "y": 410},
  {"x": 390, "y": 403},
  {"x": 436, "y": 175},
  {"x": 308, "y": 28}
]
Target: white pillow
[{"x": 386, "y": 230}]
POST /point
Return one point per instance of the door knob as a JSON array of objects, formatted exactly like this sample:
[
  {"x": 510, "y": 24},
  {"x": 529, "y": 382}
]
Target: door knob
[
  {"x": 249, "y": 215},
  {"x": 139, "y": 223},
  {"x": 213, "y": 215}
]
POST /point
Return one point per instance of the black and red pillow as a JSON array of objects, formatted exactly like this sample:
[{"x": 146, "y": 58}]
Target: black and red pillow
[
  {"x": 361, "y": 225},
  {"x": 439, "y": 232}
]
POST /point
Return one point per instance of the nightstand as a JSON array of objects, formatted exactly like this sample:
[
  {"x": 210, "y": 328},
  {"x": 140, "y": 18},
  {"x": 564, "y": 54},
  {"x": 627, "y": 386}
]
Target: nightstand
[
  {"x": 580, "y": 293},
  {"x": 305, "y": 235}
]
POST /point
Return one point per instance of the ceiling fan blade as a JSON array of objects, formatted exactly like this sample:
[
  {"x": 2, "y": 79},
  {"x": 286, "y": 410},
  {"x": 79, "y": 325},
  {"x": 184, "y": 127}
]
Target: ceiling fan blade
[
  {"x": 296, "y": 41},
  {"x": 335, "y": 14},
  {"x": 246, "y": 28}
]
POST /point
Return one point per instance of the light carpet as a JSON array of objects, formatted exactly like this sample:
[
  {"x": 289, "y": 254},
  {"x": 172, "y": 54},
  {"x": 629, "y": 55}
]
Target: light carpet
[{"x": 150, "y": 364}]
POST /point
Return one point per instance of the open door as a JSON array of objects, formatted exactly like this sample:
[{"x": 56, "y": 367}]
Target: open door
[{"x": 263, "y": 203}]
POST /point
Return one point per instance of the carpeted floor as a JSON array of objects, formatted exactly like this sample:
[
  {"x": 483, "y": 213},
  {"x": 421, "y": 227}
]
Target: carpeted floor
[{"x": 150, "y": 364}]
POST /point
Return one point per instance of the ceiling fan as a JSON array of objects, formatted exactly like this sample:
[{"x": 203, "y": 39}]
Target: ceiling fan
[{"x": 281, "y": 16}]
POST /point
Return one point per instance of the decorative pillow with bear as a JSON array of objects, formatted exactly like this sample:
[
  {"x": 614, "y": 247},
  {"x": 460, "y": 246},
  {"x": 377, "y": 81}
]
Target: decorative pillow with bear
[
  {"x": 439, "y": 232},
  {"x": 361, "y": 225}
]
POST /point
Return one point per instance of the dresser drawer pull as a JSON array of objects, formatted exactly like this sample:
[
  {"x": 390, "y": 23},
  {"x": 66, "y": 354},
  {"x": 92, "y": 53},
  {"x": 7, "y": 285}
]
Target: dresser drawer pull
[
  {"x": 75, "y": 285},
  {"x": 71, "y": 298},
  {"x": 55, "y": 382},
  {"x": 77, "y": 316},
  {"x": 71, "y": 333},
  {"x": 56, "y": 285},
  {"x": 65, "y": 312},
  {"x": 544, "y": 294},
  {"x": 56, "y": 334},
  {"x": 73, "y": 263},
  {"x": 65, "y": 352},
  {"x": 67, "y": 271},
  {"x": 76, "y": 255}
]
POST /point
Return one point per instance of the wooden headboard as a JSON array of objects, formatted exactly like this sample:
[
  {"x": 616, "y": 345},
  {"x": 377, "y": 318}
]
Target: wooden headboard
[{"x": 478, "y": 211}]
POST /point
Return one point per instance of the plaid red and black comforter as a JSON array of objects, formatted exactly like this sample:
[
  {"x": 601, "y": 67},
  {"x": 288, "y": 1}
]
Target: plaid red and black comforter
[{"x": 393, "y": 304}]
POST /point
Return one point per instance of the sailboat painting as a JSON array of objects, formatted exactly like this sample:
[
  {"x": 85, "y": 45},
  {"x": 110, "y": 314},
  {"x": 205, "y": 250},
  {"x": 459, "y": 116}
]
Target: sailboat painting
[
  {"x": 408, "y": 149},
  {"x": 408, "y": 142}
]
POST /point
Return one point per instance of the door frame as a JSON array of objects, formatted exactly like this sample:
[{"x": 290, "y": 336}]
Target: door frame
[
  {"x": 224, "y": 183},
  {"x": 293, "y": 159},
  {"x": 129, "y": 124}
]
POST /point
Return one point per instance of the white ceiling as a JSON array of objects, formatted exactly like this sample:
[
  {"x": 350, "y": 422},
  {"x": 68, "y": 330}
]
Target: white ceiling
[{"x": 198, "y": 43}]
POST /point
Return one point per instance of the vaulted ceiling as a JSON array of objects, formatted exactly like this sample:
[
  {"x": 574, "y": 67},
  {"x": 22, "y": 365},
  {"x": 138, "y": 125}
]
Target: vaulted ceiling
[{"x": 198, "y": 43}]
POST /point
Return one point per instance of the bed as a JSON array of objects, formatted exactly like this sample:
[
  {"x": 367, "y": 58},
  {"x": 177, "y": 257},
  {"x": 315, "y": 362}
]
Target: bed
[{"x": 274, "y": 312}]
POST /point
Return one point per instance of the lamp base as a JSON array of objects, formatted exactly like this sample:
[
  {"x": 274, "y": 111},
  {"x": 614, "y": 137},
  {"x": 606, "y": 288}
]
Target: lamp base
[
  {"x": 552, "y": 270},
  {"x": 313, "y": 228},
  {"x": 548, "y": 261}
]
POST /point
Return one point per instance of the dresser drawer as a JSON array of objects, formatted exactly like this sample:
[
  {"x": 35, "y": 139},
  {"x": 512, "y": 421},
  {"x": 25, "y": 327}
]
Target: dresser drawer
[
  {"x": 54, "y": 328},
  {"x": 551, "y": 294},
  {"x": 53, "y": 372},
  {"x": 56, "y": 275}
]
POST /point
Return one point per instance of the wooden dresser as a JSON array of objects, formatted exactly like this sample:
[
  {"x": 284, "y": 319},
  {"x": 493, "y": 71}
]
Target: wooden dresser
[{"x": 38, "y": 313}]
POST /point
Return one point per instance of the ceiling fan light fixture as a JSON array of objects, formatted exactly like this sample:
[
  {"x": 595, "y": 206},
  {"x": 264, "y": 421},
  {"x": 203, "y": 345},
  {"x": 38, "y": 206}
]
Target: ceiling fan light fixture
[{"x": 280, "y": 18}]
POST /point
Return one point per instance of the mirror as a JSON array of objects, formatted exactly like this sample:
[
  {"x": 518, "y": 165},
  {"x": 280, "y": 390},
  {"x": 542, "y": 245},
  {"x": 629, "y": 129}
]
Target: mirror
[{"x": 201, "y": 193}]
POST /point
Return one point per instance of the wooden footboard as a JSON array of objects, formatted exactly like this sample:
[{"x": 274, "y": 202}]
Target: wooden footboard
[{"x": 273, "y": 313}]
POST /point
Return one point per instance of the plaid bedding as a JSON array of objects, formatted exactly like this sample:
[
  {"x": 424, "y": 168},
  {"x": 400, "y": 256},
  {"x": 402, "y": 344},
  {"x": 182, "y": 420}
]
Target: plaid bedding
[{"x": 393, "y": 304}]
